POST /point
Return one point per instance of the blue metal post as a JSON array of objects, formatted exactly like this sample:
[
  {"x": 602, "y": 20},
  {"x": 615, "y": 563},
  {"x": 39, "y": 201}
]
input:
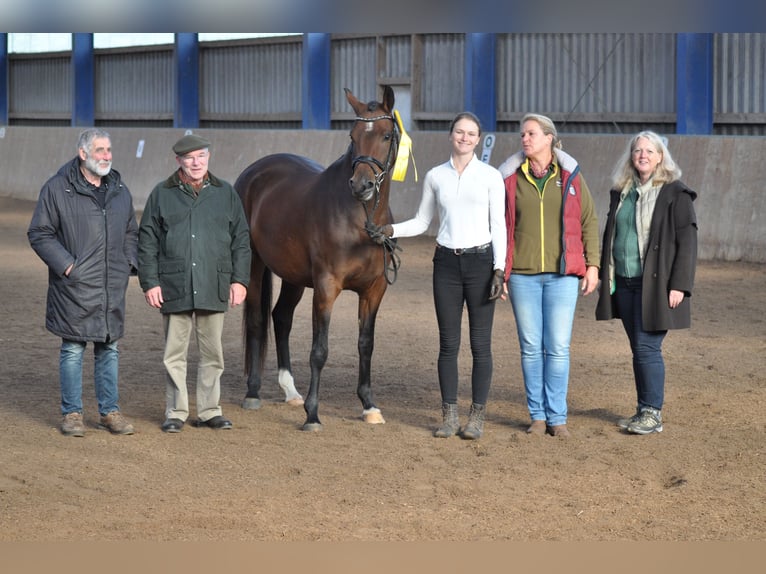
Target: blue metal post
[
  {"x": 4, "y": 83},
  {"x": 316, "y": 82},
  {"x": 694, "y": 84},
  {"x": 186, "y": 114},
  {"x": 481, "y": 78},
  {"x": 83, "y": 81}
]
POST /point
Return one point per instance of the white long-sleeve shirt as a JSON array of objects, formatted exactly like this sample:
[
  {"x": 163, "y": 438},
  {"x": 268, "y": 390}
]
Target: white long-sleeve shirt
[{"x": 471, "y": 208}]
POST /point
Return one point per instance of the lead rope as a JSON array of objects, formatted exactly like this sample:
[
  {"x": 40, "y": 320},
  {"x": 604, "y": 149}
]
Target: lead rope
[{"x": 391, "y": 259}]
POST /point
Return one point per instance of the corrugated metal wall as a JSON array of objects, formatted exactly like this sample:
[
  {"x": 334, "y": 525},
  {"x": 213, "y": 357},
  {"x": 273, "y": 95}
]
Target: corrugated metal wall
[
  {"x": 251, "y": 84},
  {"x": 600, "y": 83},
  {"x": 739, "y": 91},
  {"x": 397, "y": 58},
  {"x": 134, "y": 87},
  {"x": 40, "y": 90},
  {"x": 588, "y": 83},
  {"x": 354, "y": 65},
  {"x": 440, "y": 84}
]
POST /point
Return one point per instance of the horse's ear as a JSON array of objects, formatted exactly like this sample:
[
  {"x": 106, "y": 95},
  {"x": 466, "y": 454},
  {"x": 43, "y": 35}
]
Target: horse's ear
[
  {"x": 355, "y": 103},
  {"x": 388, "y": 98}
]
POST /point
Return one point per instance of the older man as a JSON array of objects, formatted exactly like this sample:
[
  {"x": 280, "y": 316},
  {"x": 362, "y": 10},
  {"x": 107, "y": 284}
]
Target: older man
[
  {"x": 194, "y": 260},
  {"x": 84, "y": 229}
]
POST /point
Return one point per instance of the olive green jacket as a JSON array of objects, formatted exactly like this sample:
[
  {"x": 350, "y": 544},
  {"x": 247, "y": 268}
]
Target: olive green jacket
[{"x": 194, "y": 247}]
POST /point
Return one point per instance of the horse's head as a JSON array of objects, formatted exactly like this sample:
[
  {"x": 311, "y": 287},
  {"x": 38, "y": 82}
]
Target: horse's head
[{"x": 374, "y": 142}]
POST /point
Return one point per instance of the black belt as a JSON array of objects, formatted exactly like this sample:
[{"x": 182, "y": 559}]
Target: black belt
[{"x": 461, "y": 250}]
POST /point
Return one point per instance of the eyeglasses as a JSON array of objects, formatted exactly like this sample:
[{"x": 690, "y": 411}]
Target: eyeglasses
[{"x": 189, "y": 159}]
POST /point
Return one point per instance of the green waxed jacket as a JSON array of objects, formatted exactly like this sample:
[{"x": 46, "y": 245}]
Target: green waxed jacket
[{"x": 193, "y": 247}]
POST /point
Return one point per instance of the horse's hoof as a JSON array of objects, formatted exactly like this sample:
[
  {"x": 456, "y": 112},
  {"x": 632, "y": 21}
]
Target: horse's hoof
[
  {"x": 295, "y": 401},
  {"x": 251, "y": 404},
  {"x": 373, "y": 417},
  {"x": 312, "y": 427}
]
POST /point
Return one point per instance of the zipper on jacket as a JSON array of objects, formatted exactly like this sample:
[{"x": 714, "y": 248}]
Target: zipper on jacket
[{"x": 106, "y": 271}]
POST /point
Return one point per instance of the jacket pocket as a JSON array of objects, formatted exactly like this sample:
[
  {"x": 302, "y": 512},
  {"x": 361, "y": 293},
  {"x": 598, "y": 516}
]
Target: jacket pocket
[
  {"x": 224, "y": 280},
  {"x": 172, "y": 278}
]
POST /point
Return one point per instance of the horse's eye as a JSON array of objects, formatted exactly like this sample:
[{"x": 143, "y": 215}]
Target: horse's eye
[{"x": 388, "y": 136}]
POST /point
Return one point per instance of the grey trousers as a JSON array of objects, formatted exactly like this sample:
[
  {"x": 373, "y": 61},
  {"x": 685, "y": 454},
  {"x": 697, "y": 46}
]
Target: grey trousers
[{"x": 208, "y": 328}]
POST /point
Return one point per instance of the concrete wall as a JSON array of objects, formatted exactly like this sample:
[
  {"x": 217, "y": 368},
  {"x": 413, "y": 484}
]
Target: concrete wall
[{"x": 727, "y": 172}]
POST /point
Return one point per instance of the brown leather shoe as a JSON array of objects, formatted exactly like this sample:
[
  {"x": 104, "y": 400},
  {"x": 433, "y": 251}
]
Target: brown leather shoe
[
  {"x": 537, "y": 427},
  {"x": 558, "y": 430}
]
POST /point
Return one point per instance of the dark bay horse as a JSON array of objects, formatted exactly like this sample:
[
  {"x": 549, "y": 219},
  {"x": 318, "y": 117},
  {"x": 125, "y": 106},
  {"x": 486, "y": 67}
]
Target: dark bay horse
[{"x": 307, "y": 226}]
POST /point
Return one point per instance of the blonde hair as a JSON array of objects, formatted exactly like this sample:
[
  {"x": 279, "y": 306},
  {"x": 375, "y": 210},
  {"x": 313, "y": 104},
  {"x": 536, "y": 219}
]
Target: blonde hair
[
  {"x": 546, "y": 125},
  {"x": 667, "y": 170}
]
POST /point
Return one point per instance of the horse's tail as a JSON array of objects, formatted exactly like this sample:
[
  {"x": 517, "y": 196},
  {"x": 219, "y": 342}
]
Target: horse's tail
[{"x": 256, "y": 321}]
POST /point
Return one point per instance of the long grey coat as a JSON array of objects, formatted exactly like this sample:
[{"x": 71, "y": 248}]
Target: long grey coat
[
  {"x": 669, "y": 263},
  {"x": 68, "y": 226}
]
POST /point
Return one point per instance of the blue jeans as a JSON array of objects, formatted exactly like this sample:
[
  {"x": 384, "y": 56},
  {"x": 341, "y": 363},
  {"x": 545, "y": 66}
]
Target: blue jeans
[
  {"x": 544, "y": 307},
  {"x": 648, "y": 364},
  {"x": 463, "y": 281},
  {"x": 106, "y": 360}
]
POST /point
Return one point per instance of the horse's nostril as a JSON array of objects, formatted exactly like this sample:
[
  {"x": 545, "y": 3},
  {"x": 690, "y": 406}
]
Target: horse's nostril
[{"x": 361, "y": 186}]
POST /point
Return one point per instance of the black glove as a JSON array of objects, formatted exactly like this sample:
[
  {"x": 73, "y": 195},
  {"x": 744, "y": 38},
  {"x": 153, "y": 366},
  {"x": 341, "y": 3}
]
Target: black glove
[
  {"x": 378, "y": 233},
  {"x": 496, "y": 286}
]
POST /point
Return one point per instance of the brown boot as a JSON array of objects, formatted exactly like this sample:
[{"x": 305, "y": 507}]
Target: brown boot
[
  {"x": 450, "y": 422},
  {"x": 537, "y": 427},
  {"x": 475, "y": 427},
  {"x": 558, "y": 430}
]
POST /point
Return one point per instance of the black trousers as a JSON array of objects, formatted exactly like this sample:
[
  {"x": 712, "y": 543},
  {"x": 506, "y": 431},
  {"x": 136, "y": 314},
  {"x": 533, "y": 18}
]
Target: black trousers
[{"x": 464, "y": 280}]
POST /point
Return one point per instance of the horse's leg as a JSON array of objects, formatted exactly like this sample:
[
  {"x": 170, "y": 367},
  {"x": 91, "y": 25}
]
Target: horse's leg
[
  {"x": 284, "y": 310},
  {"x": 256, "y": 327},
  {"x": 369, "y": 303},
  {"x": 325, "y": 294}
]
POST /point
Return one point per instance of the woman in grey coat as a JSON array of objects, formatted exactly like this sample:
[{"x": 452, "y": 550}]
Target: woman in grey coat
[
  {"x": 84, "y": 229},
  {"x": 648, "y": 261}
]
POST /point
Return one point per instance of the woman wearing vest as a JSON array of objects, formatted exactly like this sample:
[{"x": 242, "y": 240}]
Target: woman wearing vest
[
  {"x": 553, "y": 243},
  {"x": 648, "y": 264}
]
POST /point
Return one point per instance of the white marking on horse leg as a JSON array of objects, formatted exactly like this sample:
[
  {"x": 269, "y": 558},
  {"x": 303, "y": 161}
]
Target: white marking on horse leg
[
  {"x": 287, "y": 384},
  {"x": 373, "y": 416}
]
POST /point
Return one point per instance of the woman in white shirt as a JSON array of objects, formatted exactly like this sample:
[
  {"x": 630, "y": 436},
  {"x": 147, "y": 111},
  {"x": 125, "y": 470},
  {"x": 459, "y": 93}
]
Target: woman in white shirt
[{"x": 469, "y": 263}]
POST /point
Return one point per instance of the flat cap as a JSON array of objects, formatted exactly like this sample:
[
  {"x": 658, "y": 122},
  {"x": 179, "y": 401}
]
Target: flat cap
[{"x": 188, "y": 143}]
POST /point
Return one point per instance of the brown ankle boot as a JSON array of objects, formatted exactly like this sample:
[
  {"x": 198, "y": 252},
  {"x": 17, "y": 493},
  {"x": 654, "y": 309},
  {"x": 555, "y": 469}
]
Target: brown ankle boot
[
  {"x": 450, "y": 422},
  {"x": 559, "y": 431}
]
